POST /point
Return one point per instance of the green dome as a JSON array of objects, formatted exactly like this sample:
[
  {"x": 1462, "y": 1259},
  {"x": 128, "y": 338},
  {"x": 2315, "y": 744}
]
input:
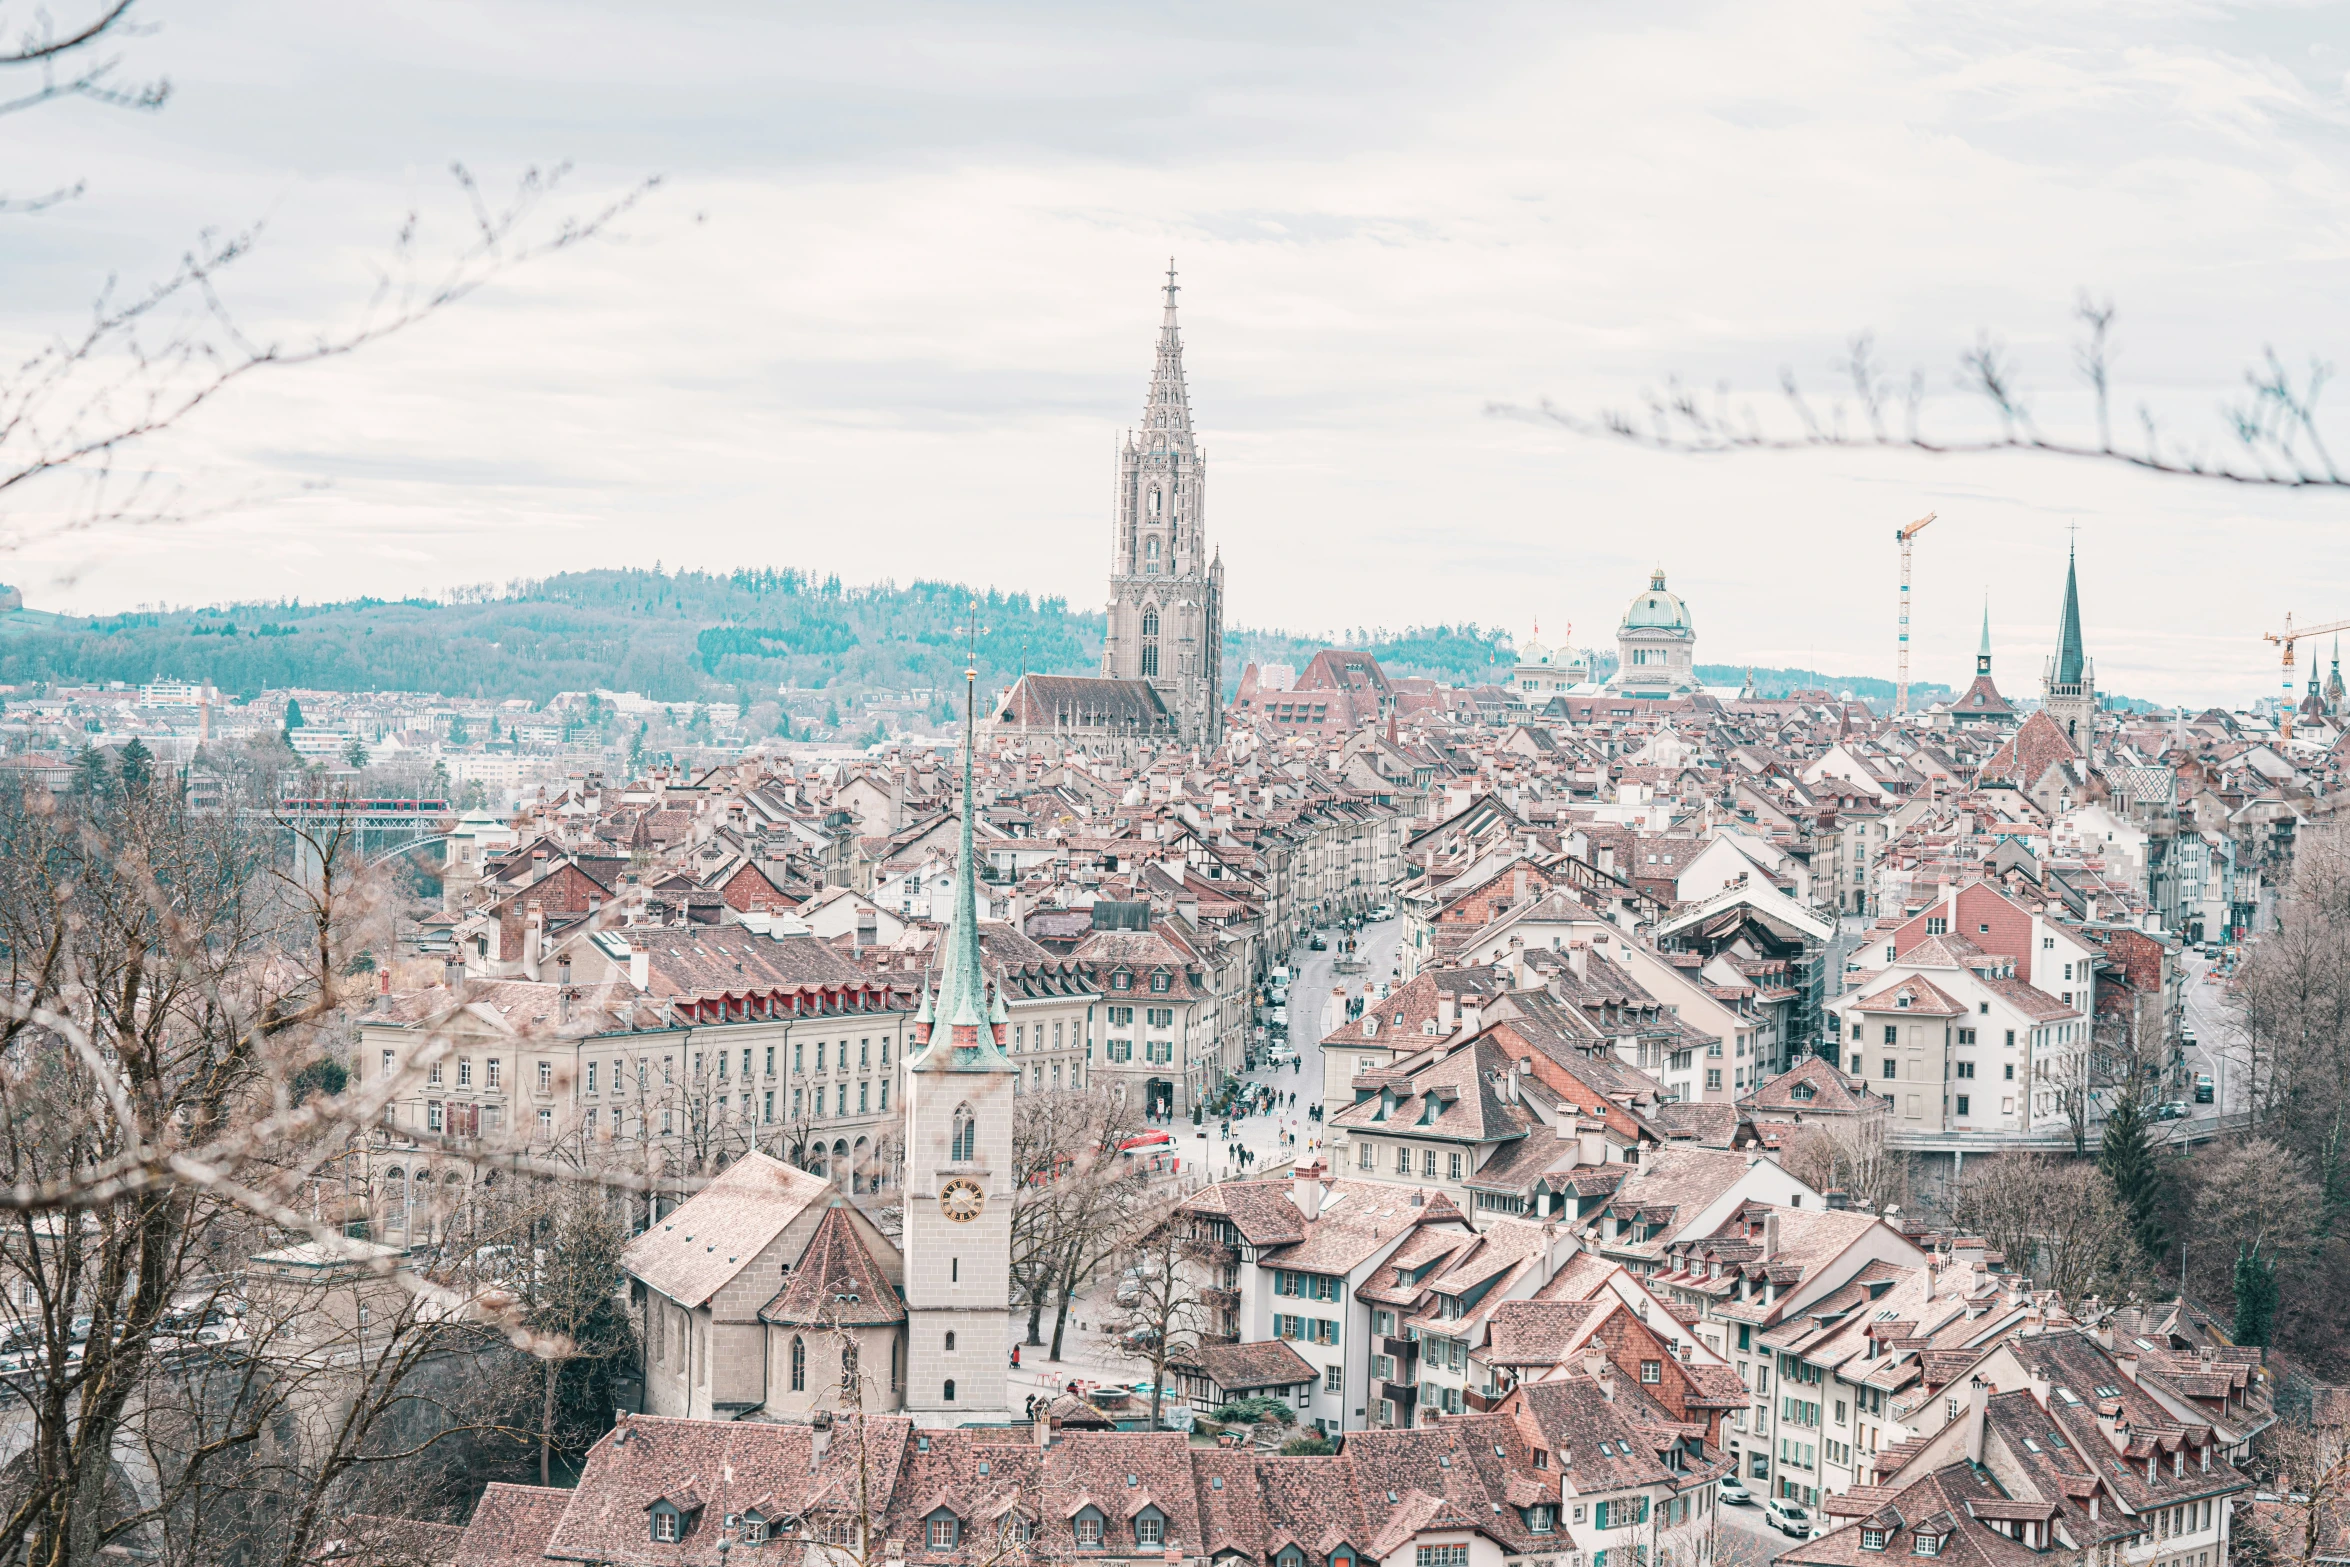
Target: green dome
[{"x": 1657, "y": 610}]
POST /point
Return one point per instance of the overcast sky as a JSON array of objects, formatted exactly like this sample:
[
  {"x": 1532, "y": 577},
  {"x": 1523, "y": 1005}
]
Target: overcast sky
[{"x": 898, "y": 293}]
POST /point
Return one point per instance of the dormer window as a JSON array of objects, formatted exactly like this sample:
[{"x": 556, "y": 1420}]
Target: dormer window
[
  {"x": 1122, "y": 980},
  {"x": 1159, "y": 983},
  {"x": 1089, "y": 1528},
  {"x": 1924, "y": 1544},
  {"x": 1872, "y": 1539}
]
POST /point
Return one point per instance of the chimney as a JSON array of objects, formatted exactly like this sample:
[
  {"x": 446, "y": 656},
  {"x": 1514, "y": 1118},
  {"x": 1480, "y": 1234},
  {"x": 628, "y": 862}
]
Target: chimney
[
  {"x": 1838, "y": 1199},
  {"x": 1770, "y": 1234},
  {"x": 383, "y": 989},
  {"x": 1978, "y": 1393},
  {"x": 1517, "y": 886},
  {"x": 1579, "y": 959},
  {"x": 1044, "y": 1425},
  {"x": 1305, "y": 1189},
  {"x": 1446, "y": 1002},
  {"x": 819, "y": 1439},
  {"x": 563, "y": 970},
  {"x": 453, "y": 974},
  {"x": 640, "y": 967}
]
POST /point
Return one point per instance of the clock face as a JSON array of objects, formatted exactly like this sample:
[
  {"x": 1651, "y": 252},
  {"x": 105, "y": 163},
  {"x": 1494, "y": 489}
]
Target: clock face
[{"x": 961, "y": 1200}]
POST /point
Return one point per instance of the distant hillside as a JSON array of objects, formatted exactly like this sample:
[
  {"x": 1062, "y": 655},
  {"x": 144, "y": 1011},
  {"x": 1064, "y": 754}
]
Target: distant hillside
[
  {"x": 685, "y": 635},
  {"x": 670, "y": 636}
]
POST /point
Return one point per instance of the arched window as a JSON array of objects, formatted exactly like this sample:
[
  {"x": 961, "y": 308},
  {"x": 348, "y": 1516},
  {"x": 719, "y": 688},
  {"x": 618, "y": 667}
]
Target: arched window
[
  {"x": 848, "y": 1369},
  {"x": 950, "y": 1391},
  {"x": 840, "y": 1159},
  {"x": 799, "y": 1365},
  {"x": 1150, "y": 622},
  {"x": 950, "y": 1341},
  {"x": 1158, "y": 502},
  {"x": 1150, "y": 658},
  {"x": 893, "y": 1365},
  {"x": 1150, "y": 555},
  {"x": 965, "y": 1146}
]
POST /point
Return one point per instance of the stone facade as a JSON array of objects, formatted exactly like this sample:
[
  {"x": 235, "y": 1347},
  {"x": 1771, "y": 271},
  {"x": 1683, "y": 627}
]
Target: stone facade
[{"x": 1166, "y": 611}]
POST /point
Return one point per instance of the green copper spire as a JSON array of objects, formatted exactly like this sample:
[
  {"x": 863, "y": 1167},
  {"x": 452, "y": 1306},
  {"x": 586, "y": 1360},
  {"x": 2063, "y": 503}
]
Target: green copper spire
[
  {"x": 962, "y": 986},
  {"x": 1983, "y": 653},
  {"x": 2070, "y": 661},
  {"x": 962, "y": 1001}
]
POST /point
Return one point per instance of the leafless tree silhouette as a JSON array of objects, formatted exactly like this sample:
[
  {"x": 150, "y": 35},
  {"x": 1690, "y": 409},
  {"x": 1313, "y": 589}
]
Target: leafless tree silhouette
[{"x": 2271, "y": 432}]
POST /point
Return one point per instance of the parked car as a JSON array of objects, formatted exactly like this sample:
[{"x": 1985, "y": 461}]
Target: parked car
[
  {"x": 1787, "y": 1518},
  {"x": 2203, "y": 1088},
  {"x": 1318, "y": 944},
  {"x": 1385, "y": 911},
  {"x": 2170, "y": 1110},
  {"x": 1732, "y": 1491}
]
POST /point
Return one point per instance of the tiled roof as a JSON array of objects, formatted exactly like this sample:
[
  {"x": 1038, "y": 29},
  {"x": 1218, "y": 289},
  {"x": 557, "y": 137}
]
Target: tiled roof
[
  {"x": 713, "y": 1235},
  {"x": 837, "y": 1281}
]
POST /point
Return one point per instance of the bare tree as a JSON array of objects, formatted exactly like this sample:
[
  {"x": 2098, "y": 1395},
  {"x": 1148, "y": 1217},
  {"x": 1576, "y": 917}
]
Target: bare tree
[
  {"x": 77, "y": 410},
  {"x": 2272, "y": 431},
  {"x": 2056, "y": 1219},
  {"x": 1077, "y": 1194},
  {"x": 1166, "y": 1315},
  {"x": 1849, "y": 1154},
  {"x": 2307, "y": 1464}
]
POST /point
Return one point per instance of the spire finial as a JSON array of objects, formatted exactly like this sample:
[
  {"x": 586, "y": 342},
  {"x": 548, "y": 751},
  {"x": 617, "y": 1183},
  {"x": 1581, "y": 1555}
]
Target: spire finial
[{"x": 1172, "y": 287}]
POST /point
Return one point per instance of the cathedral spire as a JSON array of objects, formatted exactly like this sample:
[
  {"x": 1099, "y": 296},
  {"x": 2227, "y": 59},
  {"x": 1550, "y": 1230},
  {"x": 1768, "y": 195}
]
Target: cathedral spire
[
  {"x": 2069, "y": 657},
  {"x": 1983, "y": 653},
  {"x": 1169, "y": 408}
]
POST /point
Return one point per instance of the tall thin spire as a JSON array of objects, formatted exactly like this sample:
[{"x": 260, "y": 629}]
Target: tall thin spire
[
  {"x": 1169, "y": 408},
  {"x": 2070, "y": 661},
  {"x": 1983, "y": 653},
  {"x": 962, "y": 986}
]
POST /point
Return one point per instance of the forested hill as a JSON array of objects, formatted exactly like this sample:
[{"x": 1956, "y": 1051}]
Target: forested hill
[{"x": 671, "y": 636}]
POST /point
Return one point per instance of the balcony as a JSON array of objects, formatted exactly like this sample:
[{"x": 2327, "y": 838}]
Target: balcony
[{"x": 1405, "y": 1396}]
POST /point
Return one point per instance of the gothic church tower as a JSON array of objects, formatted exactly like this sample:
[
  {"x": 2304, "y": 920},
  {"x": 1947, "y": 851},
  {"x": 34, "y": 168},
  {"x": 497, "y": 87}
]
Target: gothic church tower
[
  {"x": 2068, "y": 688},
  {"x": 958, "y": 1171},
  {"x": 1166, "y": 588}
]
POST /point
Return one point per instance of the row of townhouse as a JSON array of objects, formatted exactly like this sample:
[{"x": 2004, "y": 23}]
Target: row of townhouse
[
  {"x": 2060, "y": 1441},
  {"x": 1584, "y": 1471},
  {"x": 681, "y": 1048},
  {"x": 1371, "y": 1303}
]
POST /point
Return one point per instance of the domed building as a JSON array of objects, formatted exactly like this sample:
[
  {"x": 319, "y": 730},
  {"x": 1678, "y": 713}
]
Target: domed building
[
  {"x": 1543, "y": 672},
  {"x": 1656, "y": 647}
]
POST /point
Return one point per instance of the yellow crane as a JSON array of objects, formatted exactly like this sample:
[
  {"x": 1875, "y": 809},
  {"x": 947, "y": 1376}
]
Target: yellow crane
[
  {"x": 1901, "y": 675},
  {"x": 2288, "y": 637}
]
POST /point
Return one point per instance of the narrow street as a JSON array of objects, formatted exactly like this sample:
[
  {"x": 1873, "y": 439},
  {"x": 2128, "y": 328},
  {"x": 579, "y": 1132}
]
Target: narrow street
[
  {"x": 1312, "y": 1011},
  {"x": 2218, "y": 1042}
]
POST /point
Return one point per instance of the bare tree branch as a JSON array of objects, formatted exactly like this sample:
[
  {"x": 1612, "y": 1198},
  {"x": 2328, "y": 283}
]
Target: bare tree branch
[{"x": 2276, "y": 425}]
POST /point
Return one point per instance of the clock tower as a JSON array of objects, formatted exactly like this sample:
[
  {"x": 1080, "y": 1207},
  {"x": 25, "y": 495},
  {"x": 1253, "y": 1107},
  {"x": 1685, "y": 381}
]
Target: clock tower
[{"x": 958, "y": 1171}]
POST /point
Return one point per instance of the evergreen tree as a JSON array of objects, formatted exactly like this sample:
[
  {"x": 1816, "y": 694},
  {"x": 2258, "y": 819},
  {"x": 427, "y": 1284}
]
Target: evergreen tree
[
  {"x": 89, "y": 773},
  {"x": 355, "y": 753},
  {"x": 294, "y": 719},
  {"x": 473, "y": 797},
  {"x": 2256, "y": 1296},
  {"x": 832, "y": 715},
  {"x": 2126, "y": 1155},
  {"x": 457, "y": 734},
  {"x": 440, "y": 778},
  {"x": 136, "y": 766}
]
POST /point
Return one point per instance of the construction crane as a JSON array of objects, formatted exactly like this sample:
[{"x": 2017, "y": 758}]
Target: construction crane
[
  {"x": 2287, "y": 638},
  {"x": 1901, "y": 675}
]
